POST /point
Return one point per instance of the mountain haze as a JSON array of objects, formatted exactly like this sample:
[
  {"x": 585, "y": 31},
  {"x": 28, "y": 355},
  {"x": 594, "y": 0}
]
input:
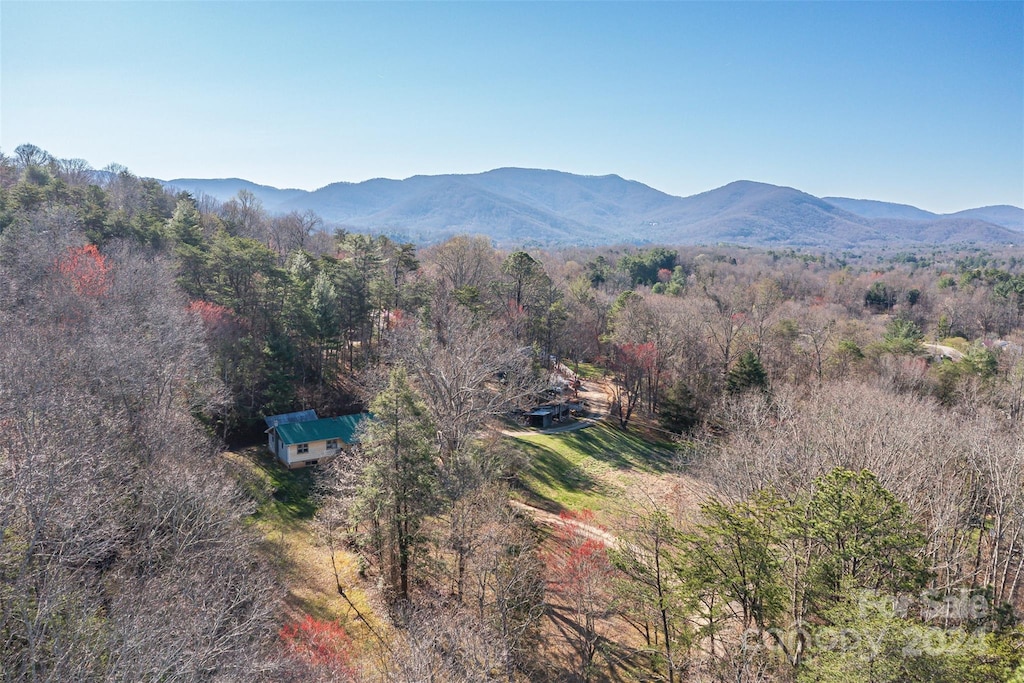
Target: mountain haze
[
  {"x": 529, "y": 206},
  {"x": 869, "y": 208},
  {"x": 224, "y": 189},
  {"x": 1006, "y": 216}
]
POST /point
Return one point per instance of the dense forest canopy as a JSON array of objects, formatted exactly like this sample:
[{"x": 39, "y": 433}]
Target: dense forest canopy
[{"x": 833, "y": 448}]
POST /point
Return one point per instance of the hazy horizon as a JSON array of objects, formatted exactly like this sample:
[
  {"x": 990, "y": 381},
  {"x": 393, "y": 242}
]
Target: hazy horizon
[{"x": 589, "y": 175}]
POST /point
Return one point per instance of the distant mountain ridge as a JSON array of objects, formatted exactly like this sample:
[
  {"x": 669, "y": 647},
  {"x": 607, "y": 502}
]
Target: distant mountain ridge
[
  {"x": 544, "y": 207},
  {"x": 1006, "y": 216},
  {"x": 223, "y": 189}
]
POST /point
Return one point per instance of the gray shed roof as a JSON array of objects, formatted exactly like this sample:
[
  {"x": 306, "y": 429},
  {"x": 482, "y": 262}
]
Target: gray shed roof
[
  {"x": 546, "y": 410},
  {"x": 290, "y": 418}
]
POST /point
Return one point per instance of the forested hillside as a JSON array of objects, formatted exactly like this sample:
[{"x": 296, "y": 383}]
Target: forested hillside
[{"x": 784, "y": 466}]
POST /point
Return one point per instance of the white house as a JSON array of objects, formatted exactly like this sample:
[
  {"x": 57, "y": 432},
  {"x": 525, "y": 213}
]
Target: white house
[{"x": 302, "y": 439}]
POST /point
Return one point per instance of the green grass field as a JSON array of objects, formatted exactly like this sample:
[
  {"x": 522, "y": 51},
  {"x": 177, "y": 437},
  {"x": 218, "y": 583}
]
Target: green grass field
[
  {"x": 588, "y": 468},
  {"x": 283, "y": 497},
  {"x": 587, "y": 370}
]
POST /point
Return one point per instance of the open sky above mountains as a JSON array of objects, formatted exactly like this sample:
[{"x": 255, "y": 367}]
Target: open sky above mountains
[{"x": 918, "y": 103}]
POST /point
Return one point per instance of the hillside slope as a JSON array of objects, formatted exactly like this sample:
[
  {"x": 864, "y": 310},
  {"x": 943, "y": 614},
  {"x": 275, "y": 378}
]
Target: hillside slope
[{"x": 1004, "y": 216}]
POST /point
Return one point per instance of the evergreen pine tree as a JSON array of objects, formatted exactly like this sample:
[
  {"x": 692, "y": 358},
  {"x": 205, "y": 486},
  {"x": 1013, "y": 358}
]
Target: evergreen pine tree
[
  {"x": 400, "y": 484},
  {"x": 678, "y": 410},
  {"x": 748, "y": 373}
]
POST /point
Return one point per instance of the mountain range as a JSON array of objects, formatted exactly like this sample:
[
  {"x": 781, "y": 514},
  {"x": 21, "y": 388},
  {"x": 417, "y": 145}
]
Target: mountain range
[{"x": 551, "y": 208}]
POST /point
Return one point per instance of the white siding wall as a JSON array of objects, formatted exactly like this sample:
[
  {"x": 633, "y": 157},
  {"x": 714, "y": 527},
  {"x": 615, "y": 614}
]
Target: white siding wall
[
  {"x": 317, "y": 451},
  {"x": 277, "y": 446}
]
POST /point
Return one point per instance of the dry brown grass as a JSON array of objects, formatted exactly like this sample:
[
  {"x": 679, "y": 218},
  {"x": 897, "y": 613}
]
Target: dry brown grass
[{"x": 305, "y": 565}]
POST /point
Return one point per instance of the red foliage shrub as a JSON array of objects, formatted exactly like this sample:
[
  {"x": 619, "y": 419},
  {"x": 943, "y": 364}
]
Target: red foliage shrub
[
  {"x": 584, "y": 516},
  {"x": 581, "y": 557},
  {"x": 219, "y": 321},
  {"x": 86, "y": 269},
  {"x": 397, "y": 319},
  {"x": 321, "y": 644}
]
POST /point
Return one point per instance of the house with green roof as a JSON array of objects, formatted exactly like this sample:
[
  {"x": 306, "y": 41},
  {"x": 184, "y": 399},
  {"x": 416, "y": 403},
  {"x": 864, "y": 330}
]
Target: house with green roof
[{"x": 303, "y": 439}]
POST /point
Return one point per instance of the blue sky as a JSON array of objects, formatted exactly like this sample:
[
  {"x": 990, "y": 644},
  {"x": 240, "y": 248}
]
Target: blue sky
[{"x": 921, "y": 103}]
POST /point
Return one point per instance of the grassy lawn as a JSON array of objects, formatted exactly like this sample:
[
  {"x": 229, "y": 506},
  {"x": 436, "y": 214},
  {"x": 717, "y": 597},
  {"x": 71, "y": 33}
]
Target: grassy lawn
[
  {"x": 587, "y": 370},
  {"x": 292, "y": 489},
  {"x": 588, "y": 468}
]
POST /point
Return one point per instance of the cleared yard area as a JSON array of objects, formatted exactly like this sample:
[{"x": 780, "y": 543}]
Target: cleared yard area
[
  {"x": 285, "y": 508},
  {"x": 603, "y": 469},
  {"x": 593, "y": 468},
  {"x": 587, "y": 370}
]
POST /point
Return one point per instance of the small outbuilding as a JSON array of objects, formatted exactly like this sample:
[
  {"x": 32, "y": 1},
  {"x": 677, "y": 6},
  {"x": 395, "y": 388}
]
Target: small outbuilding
[
  {"x": 544, "y": 416},
  {"x": 303, "y": 439}
]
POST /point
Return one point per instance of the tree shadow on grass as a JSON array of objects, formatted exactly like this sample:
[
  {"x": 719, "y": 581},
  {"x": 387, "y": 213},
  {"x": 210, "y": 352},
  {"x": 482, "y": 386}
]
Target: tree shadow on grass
[
  {"x": 292, "y": 492},
  {"x": 619, "y": 449},
  {"x": 614, "y": 660},
  {"x": 549, "y": 469},
  {"x": 282, "y": 495}
]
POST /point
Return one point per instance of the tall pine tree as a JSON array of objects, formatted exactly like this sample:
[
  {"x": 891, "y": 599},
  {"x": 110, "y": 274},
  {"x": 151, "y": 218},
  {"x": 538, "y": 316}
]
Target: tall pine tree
[{"x": 400, "y": 485}]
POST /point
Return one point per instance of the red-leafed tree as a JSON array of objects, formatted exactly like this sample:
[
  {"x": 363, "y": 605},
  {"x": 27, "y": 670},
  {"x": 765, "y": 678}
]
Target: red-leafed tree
[
  {"x": 580, "y": 573},
  {"x": 217, "y": 319},
  {"x": 224, "y": 331},
  {"x": 398, "y": 319},
  {"x": 632, "y": 362},
  {"x": 86, "y": 270},
  {"x": 322, "y": 645}
]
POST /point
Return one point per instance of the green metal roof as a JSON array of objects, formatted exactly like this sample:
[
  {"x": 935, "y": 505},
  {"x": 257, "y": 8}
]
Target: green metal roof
[{"x": 342, "y": 427}]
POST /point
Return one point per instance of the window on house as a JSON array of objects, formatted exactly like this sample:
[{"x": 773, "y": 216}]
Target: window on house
[
  {"x": 303, "y": 448},
  {"x": 332, "y": 444}
]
